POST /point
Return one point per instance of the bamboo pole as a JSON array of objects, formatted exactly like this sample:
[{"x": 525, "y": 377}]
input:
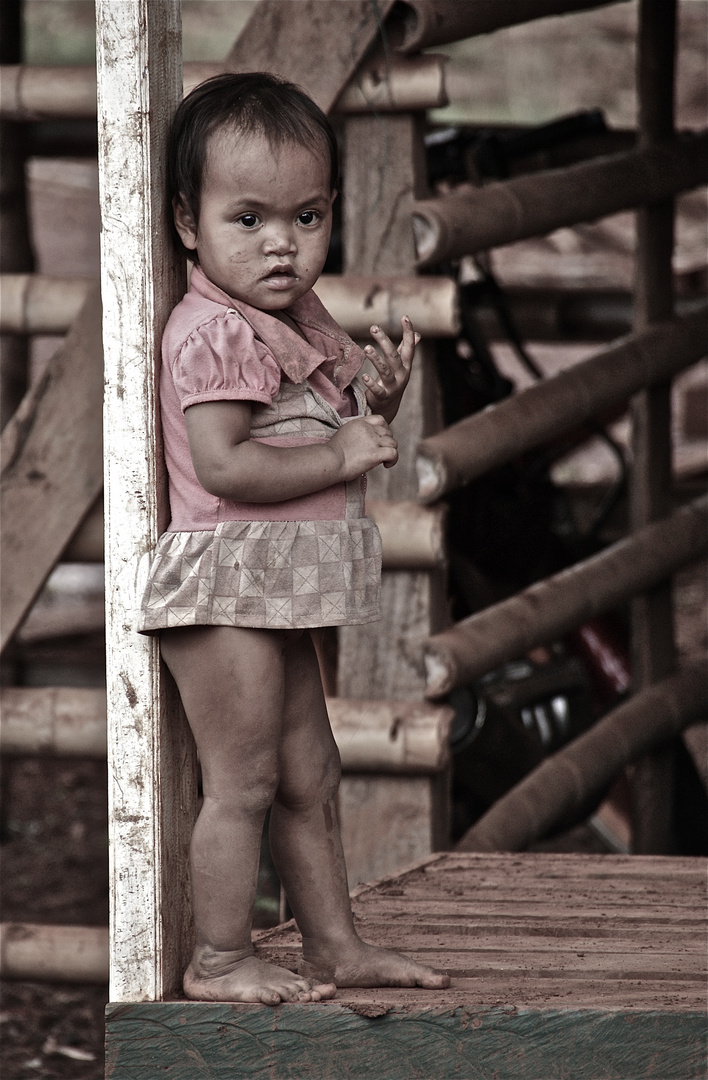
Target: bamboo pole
[
  {"x": 54, "y": 953},
  {"x": 569, "y": 782},
  {"x": 412, "y": 537},
  {"x": 40, "y": 304},
  {"x": 552, "y": 607},
  {"x": 503, "y": 212},
  {"x": 438, "y": 22},
  {"x": 487, "y": 439},
  {"x": 60, "y": 721},
  {"x": 357, "y": 301},
  {"x": 390, "y": 736},
  {"x": 393, "y": 84},
  {"x": 16, "y": 248},
  {"x": 650, "y": 493},
  {"x": 373, "y": 736}
]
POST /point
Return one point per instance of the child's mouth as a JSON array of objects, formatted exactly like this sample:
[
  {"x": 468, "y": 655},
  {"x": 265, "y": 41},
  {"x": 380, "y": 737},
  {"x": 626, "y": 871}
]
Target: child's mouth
[{"x": 281, "y": 277}]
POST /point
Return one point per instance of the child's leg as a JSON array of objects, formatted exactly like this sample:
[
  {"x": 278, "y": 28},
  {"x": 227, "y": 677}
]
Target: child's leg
[
  {"x": 306, "y": 846},
  {"x": 231, "y": 683}
]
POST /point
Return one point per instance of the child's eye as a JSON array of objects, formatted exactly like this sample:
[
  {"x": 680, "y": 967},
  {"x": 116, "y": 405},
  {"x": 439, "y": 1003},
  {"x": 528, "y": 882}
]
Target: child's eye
[
  {"x": 308, "y": 217},
  {"x": 249, "y": 221}
]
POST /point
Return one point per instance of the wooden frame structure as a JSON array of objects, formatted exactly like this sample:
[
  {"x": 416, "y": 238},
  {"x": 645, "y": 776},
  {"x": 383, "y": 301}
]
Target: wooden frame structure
[{"x": 140, "y": 79}]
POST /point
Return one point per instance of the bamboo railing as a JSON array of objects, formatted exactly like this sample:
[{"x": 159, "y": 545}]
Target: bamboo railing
[{"x": 506, "y": 211}]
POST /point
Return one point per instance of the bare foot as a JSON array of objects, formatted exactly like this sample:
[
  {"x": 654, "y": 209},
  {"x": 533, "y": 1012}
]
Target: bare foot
[
  {"x": 367, "y": 965},
  {"x": 218, "y": 976}
]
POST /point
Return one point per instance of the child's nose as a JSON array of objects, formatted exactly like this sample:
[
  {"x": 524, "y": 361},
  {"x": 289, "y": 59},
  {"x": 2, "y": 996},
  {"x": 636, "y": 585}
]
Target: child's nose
[{"x": 279, "y": 240}]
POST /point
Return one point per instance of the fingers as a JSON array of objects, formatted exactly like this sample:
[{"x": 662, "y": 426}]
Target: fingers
[{"x": 393, "y": 360}]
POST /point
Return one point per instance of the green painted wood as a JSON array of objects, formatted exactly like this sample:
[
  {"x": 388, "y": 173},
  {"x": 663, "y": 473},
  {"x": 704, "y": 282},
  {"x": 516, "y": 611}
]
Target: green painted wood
[{"x": 204, "y": 1041}]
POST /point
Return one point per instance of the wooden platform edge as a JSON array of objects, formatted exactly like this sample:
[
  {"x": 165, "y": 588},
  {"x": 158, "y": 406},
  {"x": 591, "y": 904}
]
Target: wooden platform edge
[{"x": 332, "y": 1041}]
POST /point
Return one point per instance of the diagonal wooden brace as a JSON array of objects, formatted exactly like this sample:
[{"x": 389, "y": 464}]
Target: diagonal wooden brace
[{"x": 52, "y": 466}]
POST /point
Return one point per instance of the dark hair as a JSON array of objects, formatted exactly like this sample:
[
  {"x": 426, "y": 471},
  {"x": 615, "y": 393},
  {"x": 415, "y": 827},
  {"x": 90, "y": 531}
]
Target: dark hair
[{"x": 253, "y": 103}]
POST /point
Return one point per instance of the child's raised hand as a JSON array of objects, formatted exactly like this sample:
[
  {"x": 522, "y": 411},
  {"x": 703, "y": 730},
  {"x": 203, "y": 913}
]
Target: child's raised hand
[
  {"x": 394, "y": 369},
  {"x": 363, "y": 442}
]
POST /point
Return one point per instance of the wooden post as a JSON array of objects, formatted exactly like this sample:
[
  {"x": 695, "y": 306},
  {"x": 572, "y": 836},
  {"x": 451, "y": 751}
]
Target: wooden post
[
  {"x": 653, "y": 649},
  {"x": 15, "y": 251},
  {"x": 152, "y": 792},
  {"x": 384, "y": 172}
]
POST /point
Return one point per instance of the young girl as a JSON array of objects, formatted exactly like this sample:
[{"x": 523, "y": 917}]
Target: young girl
[{"x": 268, "y": 434}]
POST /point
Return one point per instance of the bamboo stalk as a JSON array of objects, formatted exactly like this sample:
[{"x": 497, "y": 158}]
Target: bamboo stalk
[
  {"x": 39, "y": 92},
  {"x": 412, "y": 535},
  {"x": 411, "y": 539},
  {"x": 438, "y": 22},
  {"x": 396, "y": 84},
  {"x": 57, "y": 720},
  {"x": 556, "y": 605},
  {"x": 487, "y": 439},
  {"x": 359, "y": 301},
  {"x": 40, "y": 304},
  {"x": 570, "y": 781},
  {"x": 54, "y": 953},
  {"x": 390, "y": 736},
  {"x": 503, "y": 212},
  {"x": 373, "y": 736}
]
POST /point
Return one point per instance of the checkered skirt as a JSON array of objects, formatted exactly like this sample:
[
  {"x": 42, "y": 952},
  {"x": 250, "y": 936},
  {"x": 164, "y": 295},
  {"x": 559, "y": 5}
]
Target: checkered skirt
[{"x": 271, "y": 574}]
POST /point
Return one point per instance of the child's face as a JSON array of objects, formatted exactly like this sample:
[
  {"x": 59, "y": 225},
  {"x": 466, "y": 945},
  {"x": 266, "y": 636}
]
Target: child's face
[{"x": 265, "y": 219}]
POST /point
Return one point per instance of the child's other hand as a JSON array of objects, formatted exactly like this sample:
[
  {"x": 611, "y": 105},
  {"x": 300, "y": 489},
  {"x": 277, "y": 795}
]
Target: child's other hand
[
  {"x": 394, "y": 369},
  {"x": 362, "y": 443}
]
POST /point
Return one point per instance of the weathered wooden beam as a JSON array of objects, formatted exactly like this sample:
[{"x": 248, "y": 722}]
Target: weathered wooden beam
[
  {"x": 544, "y": 411},
  {"x": 373, "y": 736},
  {"x": 653, "y": 647},
  {"x": 506, "y": 211},
  {"x": 151, "y": 761},
  {"x": 394, "y": 84},
  {"x": 317, "y": 45},
  {"x": 40, "y": 304},
  {"x": 437, "y": 22},
  {"x": 384, "y": 171},
  {"x": 54, "y": 953},
  {"x": 552, "y": 607},
  {"x": 51, "y": 471},
  {"x": 571, "y": 780}
]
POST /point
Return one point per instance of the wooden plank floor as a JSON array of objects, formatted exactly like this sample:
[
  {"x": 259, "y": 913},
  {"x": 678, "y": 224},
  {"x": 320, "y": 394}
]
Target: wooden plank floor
[{"x": 568, "y": 966}]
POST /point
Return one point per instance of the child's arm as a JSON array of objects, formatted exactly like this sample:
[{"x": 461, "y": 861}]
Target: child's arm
[
  {"x": 231, "y": 465},
  {"x": 394, "y": 369}
]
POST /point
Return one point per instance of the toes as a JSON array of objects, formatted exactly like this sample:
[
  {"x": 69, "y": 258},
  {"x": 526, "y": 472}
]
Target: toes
[
  {"x": 269, "y": 997},
  {"x": 434, "y": 981}
]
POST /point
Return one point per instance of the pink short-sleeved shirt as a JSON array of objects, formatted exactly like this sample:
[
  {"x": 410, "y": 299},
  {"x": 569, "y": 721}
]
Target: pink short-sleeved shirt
[
  {"x": 217, "y": 349},
  {"x": 305, "y": 562}
]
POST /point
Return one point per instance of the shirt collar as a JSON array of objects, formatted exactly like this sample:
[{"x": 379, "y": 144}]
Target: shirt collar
[{"x": 297, "y": 358}]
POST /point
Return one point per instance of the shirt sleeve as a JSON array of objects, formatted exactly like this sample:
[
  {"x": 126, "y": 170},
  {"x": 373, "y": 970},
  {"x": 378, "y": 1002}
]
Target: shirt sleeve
[{"x": 222, "y": 360}]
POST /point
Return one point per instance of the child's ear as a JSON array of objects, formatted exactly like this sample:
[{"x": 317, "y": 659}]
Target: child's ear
[{"x": 184, "y": 222}]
